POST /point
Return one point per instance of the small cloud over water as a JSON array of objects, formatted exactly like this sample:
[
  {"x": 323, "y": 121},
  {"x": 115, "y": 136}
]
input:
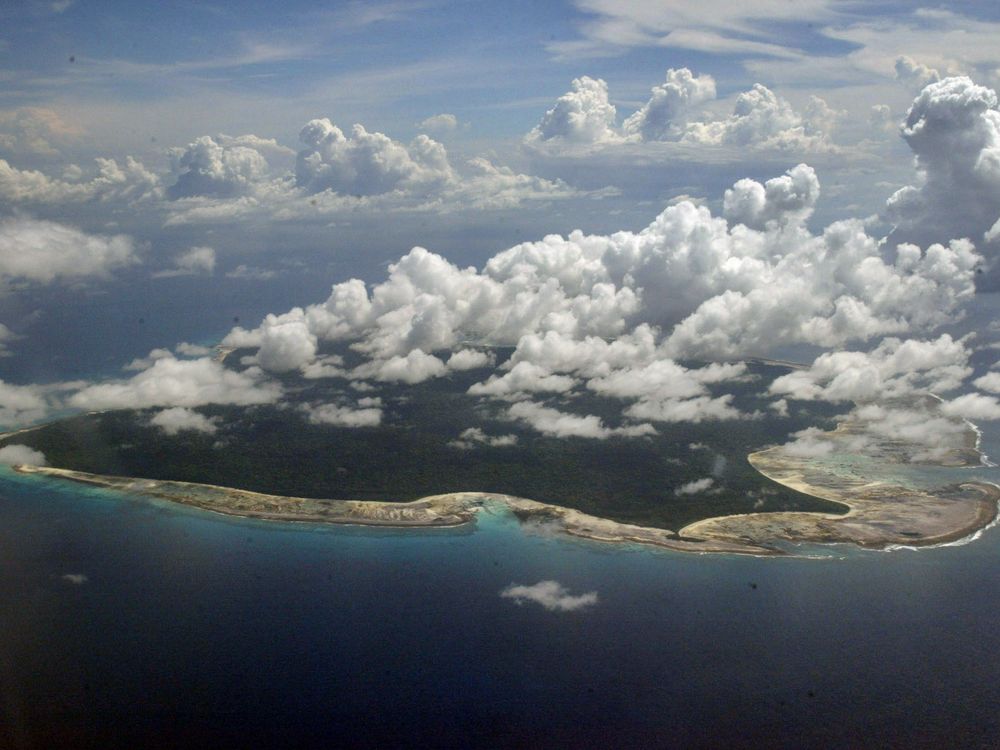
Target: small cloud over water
[{"x": 550, "y": 594}]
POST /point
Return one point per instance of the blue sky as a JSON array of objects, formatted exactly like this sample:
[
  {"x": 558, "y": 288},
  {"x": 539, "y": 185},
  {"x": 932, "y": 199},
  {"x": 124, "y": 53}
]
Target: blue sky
[{"x": 176, "y": 70}]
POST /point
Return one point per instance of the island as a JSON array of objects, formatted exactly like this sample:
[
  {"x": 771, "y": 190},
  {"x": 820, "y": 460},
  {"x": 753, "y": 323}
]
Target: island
[{"x": 857, "y": 485}]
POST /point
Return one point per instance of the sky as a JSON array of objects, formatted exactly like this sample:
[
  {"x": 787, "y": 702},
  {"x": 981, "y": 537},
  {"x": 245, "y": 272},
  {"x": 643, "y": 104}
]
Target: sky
[{"x": 638, "y": 196}]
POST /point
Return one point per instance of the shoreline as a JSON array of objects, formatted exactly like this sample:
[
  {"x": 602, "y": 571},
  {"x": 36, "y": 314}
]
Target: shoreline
[
  {"x": 748, "y": 534},
  {"x": 880, "y": 512},
  {"x": 435, "y": 511}
]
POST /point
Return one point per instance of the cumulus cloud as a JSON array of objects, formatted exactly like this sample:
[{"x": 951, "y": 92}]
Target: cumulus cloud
[
  {"x": 522, "y": 378},
  {"x": 953, "y": 129},
  {"x": 415, "y": 366},
  {"x": 808, "y": 443},
  {"x": 15, "y": 454},
  {"x": 764, "y": 120},
  {"x": 286, "y": 343},
  {"x": 366, "y": 413},
  {"x": 695, "y": 487},
  {"x": 761, "y": 119},
  {"x": 179, "y": 418},
  {"x": 664, "y": 117},
  {"x": 470, "y": 359},
  {"x": 581, "y": 115},
  {"x": 169, "y": 382},
  {"x": 913, "y": 73},
  {"x": 208, "y": 167},
  {"x": 474, "y": 437},
  {"x": 557, "y": 423},
  {"x": 930, "y": 432},
  {"x": 191, "y": 262},
  {"x": 989, "y": 382},
  {"x": 441, "y": 123},
  {"x": 895, "y": 368},
  {"x": 45, "y": 251},
  {"x": 22, "y": 404},
  {"x": 789, "y": 198},
  {"x": 550, "y": 594},
  {"x": 364, "y": 163},
  {"x": 338, "y": 172},
  {"x": 689, "y": 286},
  {"x": 128, "y": 182},
  {"x": 973, "y": 406},
  {"x": 34, "y": 130}
]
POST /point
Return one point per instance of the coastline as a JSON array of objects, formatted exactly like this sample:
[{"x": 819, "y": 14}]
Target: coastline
[
  {"x": 435, "y": 511},
  {"x": 881, "y": 511}
]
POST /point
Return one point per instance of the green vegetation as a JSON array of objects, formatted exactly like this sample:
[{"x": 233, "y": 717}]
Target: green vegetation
[{"x": 275, "y": 449}]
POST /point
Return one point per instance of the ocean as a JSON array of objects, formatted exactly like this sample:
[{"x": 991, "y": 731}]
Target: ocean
[{"x": 137, "y": 623}]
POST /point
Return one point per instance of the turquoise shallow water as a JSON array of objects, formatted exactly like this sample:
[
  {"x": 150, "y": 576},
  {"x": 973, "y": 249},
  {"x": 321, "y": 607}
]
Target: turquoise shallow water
[{"x": 178, "y": 627}]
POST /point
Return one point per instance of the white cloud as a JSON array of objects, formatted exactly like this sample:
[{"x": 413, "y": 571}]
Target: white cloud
[
  {"x": 285, "y": 343},
  {"x": 789, "y": 198},
  {"x": 191, "y": 262},
  {"x": 128, "y": 182},
  {"x": 931, "y": 433},
  {"x": 550, "y": 594},
  {"x": 523, "y": 377},
  {"x": 45, "y": 251},
  {"x": 174, "y": 382},
  {"x": 894, "y": 368},
  {"x": 953, "y": 128},
  {"x": 21, "y": 454},
  {"x": 470, "y": 359},
  {"x": 369, "y": 415},
  {"x": 208, "y": 167},
  {"x": 762, "y": 120},
  {"x": 22, "y": 404},
  {"x": 695, "y": 487},
  {"x": 250, "y": 273},
  {"x": 366, "y": 163},
  {"x": 441, "y": 123},
  {"x": 913, "y": 73},
  {"x": 35, "y": 131},
  {"x": 664, "y": 117},
  {"x": 338, "y": 173},
  {"x": 557, "y": 423},
  {"x": 974, "y": 406},
  {"x": 179, "y": 418},
  {"x": 988, "y": 382},
  {"x": 717, "y": 289},
  {"x": 808, "y": 443},
  {"x": 144, "y": 363},
  {"x": 581, "y": 115},
  {"x": 474, "y": 436},
  {"x": 192, "y": 350}
]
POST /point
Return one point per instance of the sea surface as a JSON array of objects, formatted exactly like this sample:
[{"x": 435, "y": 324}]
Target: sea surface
[{"x": 138, "y": 623}]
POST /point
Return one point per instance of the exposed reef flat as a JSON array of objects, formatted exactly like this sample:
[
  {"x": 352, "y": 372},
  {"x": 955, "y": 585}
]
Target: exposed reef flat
[{"x": 873, "y": 475}]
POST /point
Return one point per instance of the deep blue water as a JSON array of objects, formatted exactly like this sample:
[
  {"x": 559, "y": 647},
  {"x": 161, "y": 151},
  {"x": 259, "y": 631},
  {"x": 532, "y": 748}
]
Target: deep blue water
[{"x": 198, "y": 630}]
